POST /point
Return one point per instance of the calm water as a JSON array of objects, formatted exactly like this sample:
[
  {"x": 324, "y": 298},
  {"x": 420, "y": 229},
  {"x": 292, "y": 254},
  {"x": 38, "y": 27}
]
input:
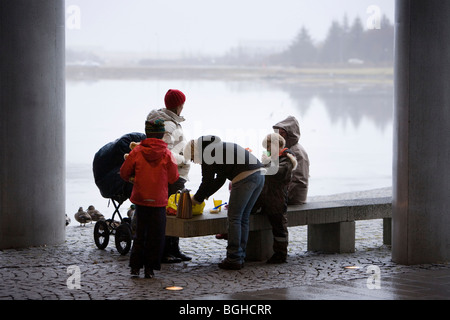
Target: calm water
[{"x": 346, "y": 130}]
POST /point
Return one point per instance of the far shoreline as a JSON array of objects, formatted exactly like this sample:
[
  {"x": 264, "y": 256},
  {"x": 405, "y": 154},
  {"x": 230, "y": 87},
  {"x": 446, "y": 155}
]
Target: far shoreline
[{"x": 307, "y": 76}]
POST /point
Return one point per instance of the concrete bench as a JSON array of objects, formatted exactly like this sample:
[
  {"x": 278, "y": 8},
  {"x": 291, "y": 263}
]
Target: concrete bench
[{"x": 331, "y": 225}]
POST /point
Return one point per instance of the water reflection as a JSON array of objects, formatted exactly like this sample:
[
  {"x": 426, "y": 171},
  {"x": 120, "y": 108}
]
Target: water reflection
[
  {"x": 353, "y": 104},
  {"x": 344, "y": 103}
]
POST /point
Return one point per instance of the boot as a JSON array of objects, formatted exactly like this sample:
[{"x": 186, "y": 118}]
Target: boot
[
  {"x": 175, "y": 250},
  {"x": 148, "y": 273},
  {"x": 280, "y": 252},
  {"x": 168, "y": 256}
]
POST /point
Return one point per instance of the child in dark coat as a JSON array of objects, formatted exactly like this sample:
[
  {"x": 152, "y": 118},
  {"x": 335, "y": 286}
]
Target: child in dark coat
[
  {"x": 151, "y": 167},
  {"x": 274, "y": 196}
]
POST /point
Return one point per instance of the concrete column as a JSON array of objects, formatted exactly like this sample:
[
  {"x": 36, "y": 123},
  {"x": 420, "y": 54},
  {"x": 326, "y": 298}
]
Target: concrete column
[
  {"x": 32, "y": 123},
  {"x": 421, "y": 199}
]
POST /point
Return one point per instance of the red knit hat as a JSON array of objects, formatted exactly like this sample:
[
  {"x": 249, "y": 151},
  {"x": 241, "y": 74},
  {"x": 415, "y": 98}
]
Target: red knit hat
[{"x": 174, "y": 98}]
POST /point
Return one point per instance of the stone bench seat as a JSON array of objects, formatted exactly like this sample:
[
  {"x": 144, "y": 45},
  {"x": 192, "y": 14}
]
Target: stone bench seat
[{"x": 331, "y": 225}]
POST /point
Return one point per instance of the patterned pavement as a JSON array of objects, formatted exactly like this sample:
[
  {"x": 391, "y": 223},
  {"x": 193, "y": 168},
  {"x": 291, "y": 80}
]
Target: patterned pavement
[{"x": 78, "y": 270}]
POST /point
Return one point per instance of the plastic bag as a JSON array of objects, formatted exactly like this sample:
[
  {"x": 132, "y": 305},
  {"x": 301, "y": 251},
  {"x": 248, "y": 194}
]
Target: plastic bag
[{"x": 171, "y": 209}]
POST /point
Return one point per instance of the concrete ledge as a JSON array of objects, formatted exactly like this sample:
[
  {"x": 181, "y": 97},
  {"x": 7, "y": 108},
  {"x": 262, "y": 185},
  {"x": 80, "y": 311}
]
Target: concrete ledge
[
  {"x": 332, "y": 237},
  {"x": 340, "y": 211},
  {"x": 310, "y": 213},
  {"x": 202, "y": 225},
  {"x": 331, "y": 225}
]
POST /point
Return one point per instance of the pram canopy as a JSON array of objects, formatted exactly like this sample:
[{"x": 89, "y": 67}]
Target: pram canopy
[{"x": 106, "y": 167}]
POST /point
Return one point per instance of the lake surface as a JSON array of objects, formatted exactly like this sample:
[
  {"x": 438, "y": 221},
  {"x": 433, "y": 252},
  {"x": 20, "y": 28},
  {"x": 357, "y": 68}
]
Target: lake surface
[{"x": 346, "y": 129}]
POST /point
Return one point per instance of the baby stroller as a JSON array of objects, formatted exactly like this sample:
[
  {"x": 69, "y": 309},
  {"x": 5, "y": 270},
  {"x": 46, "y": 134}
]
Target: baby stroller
[{"x": 106, "y": 168}]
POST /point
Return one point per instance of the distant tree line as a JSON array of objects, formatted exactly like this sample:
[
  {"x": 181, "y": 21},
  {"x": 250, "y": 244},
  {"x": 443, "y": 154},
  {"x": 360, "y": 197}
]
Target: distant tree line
[{"x": 345, "y": 43}]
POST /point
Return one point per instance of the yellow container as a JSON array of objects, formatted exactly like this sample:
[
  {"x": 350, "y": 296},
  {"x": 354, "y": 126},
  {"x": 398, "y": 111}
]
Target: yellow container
[{"x": 217, "y": 203}]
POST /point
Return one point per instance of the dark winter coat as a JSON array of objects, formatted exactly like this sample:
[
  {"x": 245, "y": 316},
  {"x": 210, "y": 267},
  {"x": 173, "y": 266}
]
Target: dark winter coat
[
  {"x": 273, "y": 199},
  {"x": 153, "y": 168},
  {"x": 221, "y": 161},
  {"x": 298, "y": 187}
]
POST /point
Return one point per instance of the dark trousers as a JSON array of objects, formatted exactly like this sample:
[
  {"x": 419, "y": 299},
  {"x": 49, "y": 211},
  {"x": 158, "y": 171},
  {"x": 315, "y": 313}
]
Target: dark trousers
[
  {"x": 172, "y": 243},
  {"x": 279, "y": 223},
  {"x": 280, "y": 232},
  {"x": 148, "y": 245}
]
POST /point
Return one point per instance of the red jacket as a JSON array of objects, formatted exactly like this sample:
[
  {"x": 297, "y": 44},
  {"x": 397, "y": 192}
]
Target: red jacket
[{"x": 153, "y": 168}]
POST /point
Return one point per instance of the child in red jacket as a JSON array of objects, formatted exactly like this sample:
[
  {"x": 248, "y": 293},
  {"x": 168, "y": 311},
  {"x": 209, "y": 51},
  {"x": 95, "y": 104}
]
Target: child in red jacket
[{"x": 151, "y": 167}]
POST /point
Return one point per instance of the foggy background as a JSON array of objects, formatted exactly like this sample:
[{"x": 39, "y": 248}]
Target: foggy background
[{"x": 179, "y": 29}]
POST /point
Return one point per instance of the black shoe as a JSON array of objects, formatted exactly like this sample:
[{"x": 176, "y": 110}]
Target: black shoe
[
  {"x": 173, "y": 248},
  {"x": 134, "y": 272},
  {"x": 170, "y": 259},
  {"x": 148, "y": 274},
  {"x": 277, "y": 258},
  {"x": 230, "y": 265}
]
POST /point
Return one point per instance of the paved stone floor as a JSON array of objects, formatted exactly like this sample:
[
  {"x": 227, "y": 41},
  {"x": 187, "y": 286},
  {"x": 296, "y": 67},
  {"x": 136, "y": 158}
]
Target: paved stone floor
[{"x": 49, "y": 273}]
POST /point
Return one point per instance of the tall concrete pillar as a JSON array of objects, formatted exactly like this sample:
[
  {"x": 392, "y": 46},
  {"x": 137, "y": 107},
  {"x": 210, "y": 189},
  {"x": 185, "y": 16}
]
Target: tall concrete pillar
[
  {"x": 32, "y": 123},
  {"x": 421, "y": 207}
]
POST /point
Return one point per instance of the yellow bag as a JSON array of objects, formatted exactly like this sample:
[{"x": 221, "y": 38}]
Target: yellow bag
[
  {"x": 197, "y": 209},
  {"x": 171, "y": 209}
]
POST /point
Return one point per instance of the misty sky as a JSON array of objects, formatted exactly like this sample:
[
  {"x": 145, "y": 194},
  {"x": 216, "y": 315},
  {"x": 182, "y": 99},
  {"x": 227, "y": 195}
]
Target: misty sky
[{"x": 205, "y": 26}]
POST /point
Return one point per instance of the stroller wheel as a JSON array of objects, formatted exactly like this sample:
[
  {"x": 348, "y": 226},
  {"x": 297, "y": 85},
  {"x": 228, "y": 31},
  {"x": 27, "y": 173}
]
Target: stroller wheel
[
  {"x": 101, "y": 234},
  {"x": 123, "y": 238}
]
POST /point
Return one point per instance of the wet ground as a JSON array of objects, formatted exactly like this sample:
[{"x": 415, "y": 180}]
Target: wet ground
[{"x": 78, "y": 270}]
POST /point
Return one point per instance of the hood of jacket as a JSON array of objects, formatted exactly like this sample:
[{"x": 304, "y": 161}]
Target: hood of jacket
[
  {"x": 292, "y": 128},
  {"x": 152, "y": 149},
  {"x": 165, "y": 114}
]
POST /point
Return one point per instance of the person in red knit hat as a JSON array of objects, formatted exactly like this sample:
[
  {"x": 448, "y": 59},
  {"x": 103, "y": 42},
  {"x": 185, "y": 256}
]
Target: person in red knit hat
[
  {"x": 174, "y": 99},
  {"x": 174, "y": 137}
]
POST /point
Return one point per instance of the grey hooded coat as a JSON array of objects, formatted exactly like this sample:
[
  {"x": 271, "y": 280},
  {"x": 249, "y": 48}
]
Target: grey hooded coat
[{"x": 298, "y": 187}]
